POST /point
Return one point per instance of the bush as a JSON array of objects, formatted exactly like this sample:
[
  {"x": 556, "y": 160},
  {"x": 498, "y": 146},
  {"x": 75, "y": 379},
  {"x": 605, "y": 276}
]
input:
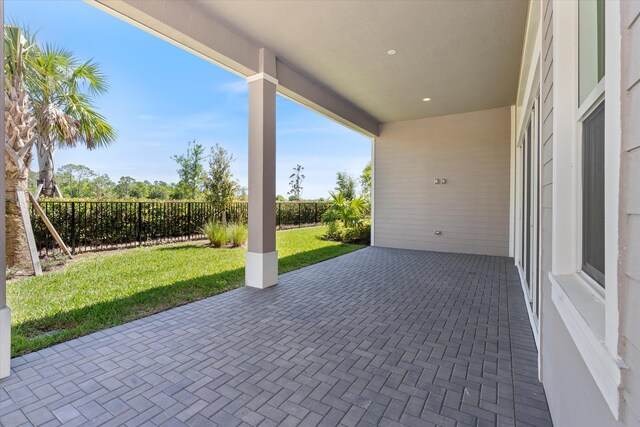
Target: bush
[
  {"x": 360, "y": 233},
  {"x": 349, "y": 211},
  {"x": 335, "y": 230},
  {"x": 365, "y": 232},
  {"x": 351, "y": 234},
  {"x": 237, "y": 234},
  {"x": 216, "y": 233}
]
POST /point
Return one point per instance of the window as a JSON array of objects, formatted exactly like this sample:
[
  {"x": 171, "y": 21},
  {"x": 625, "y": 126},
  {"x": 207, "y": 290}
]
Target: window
[
  {"x": 585, "y": 143},
  {"x": 529, "y": 199},
  {"x": 590, "y": 46},
  {"x": 593, "y": 195},
  {"x": 590, "y": 93}
]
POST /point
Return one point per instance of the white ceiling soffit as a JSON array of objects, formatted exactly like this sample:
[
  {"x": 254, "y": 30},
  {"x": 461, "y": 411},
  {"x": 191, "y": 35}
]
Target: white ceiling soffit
[{"x": 465, "y": 55}]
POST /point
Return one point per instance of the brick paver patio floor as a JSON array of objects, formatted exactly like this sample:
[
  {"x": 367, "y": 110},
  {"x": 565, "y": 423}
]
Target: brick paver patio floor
[{"x": 376, "y": 337}]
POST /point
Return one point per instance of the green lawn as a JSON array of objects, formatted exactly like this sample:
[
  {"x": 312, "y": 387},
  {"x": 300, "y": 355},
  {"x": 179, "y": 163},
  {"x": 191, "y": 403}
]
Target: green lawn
[{"x": 111, "y": 289}]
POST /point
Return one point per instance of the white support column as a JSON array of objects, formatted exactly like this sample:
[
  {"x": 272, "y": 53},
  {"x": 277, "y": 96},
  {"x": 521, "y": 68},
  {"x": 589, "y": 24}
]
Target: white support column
[
  {"x": 5, "y": 312},
  {"x": 373, "y": 191},
  {"x": 261, "y": 269}
]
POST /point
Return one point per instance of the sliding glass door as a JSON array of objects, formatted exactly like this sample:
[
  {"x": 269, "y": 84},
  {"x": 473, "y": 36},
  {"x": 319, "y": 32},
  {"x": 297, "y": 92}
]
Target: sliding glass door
[{"x": 530, "y": 172}]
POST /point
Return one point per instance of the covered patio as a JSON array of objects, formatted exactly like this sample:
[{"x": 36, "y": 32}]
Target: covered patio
[{"x": 376, "y": 337}]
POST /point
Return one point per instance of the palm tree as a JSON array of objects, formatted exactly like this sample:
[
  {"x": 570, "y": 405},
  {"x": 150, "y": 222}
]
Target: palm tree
[
  {"x": 62, "y": 91},
  {"x": 350, "y": 212},
  {"x": 20, "y": 136}
]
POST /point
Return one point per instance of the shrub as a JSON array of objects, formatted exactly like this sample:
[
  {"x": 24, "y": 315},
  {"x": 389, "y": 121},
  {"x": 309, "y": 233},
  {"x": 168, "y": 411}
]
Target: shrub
[
  {"x": 350, "y": 211},
  {"x": 350, "y": 234},
  {"x": 238, "y": 234},
  {"x": 347, "y": 219},
  {"x": 360, "y": 233},
  {"x": 335, "y": 230},
  {"x": 216, "y": 233},
  {"x": 365, "y": 232}
]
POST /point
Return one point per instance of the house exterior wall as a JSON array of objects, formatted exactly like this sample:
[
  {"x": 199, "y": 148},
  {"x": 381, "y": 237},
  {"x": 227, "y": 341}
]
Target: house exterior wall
[
  {"x": 472, "y": 152},
  {"x": 630, "y": 205},
  {"x": 573, "y": 395}
]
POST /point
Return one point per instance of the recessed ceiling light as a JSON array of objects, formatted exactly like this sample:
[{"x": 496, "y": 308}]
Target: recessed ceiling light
[
  {"x": 426, "y": 99},
  {"x": 391, "y": 52}
]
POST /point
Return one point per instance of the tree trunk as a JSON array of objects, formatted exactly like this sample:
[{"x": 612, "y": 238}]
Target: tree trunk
[
  {"x": 46, "y": 153},
  {"x": 18, "y": 253},
  {"x": 19, "y": 136}
]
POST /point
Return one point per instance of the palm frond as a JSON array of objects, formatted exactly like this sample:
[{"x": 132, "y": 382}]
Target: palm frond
[
  {"x": 19, "y": 48},
  {"x": 88, "y": 73},
  {"x": 93, "y": 129},
  {"x": 62, "y": 90},
  {"x": 53, "y": 120}
]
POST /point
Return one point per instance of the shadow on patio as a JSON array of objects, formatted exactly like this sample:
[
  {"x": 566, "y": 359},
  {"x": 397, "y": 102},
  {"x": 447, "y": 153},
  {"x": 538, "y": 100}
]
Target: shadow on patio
[
  {"x": 37, "y": 333},
  {"x": 375, "y": 337}
]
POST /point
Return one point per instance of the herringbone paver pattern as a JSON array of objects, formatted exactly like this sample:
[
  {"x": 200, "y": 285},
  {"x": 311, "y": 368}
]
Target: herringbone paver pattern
[{"x": 377, "y": 337}]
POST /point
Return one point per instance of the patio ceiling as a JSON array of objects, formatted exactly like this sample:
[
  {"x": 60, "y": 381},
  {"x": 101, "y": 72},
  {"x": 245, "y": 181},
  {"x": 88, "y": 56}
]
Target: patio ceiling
[
  {"x": 332, "y": 56},
  {"x": 465, "y": 55}
]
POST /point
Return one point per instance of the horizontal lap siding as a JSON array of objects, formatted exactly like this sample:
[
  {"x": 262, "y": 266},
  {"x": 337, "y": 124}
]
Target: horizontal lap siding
[
  {"x": 546, "y": 114},
  {"x": 471, "y": 151},
  {"x": 573, "y": 397},
  {"x": 630, "y": 203}
]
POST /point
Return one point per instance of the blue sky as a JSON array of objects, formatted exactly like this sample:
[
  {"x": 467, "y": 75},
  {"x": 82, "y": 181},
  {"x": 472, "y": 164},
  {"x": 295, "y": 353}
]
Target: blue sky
[{"x": 161, "y": 97}]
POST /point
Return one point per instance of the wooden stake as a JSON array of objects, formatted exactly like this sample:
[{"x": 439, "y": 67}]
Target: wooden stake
[
  {"x": 50, "y": 226},
  {"x": 33, "y": 250},
  {"x": 38, "y": 191}
]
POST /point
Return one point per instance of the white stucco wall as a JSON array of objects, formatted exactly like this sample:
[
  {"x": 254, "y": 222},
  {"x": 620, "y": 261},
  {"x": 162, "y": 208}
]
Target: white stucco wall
[{"x": 472, "y": 152}]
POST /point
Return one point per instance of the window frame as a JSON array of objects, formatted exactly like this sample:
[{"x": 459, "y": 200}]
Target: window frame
[
  {"x": 530, "y": 148},
  {"x": 582, "y": 112},
  {"x": 589, "y": 312}
]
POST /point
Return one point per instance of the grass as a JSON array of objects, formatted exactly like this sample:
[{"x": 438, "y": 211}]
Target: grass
[{"x": 110, "y": 289}]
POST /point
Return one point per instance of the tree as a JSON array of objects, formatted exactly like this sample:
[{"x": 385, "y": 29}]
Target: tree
[
  {"x": 242, "y": 194},
  {"x": 62, "y": 91},
  {"x": 280, "y": 198},
  {"x": 125, "y": 186},
  {"x": 219, "y": 184},
  {"x": 102, "y": 186},
  {"x": 350, "y": 211},
  {"x": 19, "y": 138},
  {"x": 346, "y": 185},
  {"x": 139, "y": 190},
  {"x": 160, "y": 190},
  {"x": 79, "y": 181},
  {"x": 365, "y": 181},
  {"x": 190, "y": 171},
  {"x": 295, "y": 182},
  {"x": 76, "y": 180}
]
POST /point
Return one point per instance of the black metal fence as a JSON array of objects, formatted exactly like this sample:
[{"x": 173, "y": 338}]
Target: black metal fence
[{"x": 97, "y": 224}]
